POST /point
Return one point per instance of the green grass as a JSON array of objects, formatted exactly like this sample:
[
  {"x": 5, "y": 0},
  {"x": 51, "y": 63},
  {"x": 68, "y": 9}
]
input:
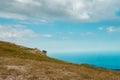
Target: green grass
[{"x": 12, "y": 50}]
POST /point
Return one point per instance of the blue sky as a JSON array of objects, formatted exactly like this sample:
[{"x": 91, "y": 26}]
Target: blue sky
[{"x": 62, "y": 25}]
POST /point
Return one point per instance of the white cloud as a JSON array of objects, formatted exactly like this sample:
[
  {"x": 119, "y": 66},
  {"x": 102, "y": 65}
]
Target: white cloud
[
  {"x": 47, "y": 10},
  {"x": 30, "y": 2},
  {"x": 100, "y": 28},
  {"x": 87, "y": 33},
  {"x": 16, "y": 31},
  {"x": 9, "y": 15},
  {"x": 64, "y": 33},
  {"x": 46, "y": 35},
  {"x": 70, "y": 33},
  {"x": 24, "y": 1},
  {"x": 111, "y": 29},
  {"x": 19, "y": 32}
]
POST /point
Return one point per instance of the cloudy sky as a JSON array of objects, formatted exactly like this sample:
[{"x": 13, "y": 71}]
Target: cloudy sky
[{"x": 62, "y": 25}]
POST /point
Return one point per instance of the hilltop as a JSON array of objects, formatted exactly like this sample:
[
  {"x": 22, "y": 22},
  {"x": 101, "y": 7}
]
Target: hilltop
[{"x": 22, "y": 63}]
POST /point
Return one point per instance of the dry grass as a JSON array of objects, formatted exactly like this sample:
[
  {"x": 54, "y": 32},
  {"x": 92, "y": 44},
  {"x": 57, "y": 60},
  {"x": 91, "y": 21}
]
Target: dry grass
[
  {"x": 42, "y": 70},
  {"x": 18, "y": 64}
]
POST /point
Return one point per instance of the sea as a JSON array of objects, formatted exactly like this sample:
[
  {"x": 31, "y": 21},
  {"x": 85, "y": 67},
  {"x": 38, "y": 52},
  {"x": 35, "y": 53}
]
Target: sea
[{"x": 109, "y": 60}]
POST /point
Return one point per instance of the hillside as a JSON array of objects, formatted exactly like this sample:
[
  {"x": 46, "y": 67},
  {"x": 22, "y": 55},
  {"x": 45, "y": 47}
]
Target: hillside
[{"x": 22, "y": 63}]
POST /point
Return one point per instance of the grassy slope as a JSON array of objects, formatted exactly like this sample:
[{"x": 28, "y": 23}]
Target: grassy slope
[{"x": 18, "y": 63}]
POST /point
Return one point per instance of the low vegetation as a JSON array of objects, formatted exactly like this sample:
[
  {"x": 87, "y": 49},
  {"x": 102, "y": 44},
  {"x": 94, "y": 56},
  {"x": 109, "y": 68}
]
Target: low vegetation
[{"x": 19, "y": 63}]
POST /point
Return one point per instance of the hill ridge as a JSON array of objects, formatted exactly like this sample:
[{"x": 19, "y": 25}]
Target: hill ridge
[{"x": 31, "y": 50}]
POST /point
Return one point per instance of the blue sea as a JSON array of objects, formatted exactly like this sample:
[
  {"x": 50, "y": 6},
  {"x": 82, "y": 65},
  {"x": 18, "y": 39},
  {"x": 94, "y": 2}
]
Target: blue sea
[{"x": 110, "y": 60}]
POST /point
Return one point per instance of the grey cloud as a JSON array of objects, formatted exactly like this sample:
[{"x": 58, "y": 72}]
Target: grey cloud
[{"x": 80, "y": 10}]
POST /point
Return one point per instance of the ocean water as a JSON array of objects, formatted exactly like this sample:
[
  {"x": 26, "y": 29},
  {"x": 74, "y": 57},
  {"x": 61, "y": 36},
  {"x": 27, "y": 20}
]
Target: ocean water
[{"x": 110, "y": 60}]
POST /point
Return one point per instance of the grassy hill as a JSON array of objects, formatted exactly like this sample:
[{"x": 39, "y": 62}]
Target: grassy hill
[{"x": 20, "y": 63}]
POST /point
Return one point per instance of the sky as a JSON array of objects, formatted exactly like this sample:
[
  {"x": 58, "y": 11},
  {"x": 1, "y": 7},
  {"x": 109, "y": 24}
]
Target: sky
[{"x": 62, "y": 25}]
